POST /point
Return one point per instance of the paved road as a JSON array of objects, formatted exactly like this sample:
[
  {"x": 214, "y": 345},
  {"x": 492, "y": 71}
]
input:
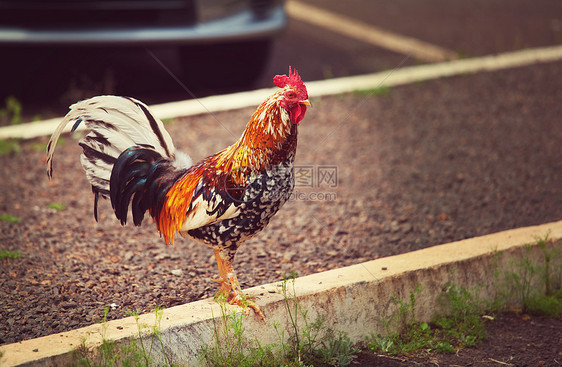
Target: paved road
[{"x": 46, "y": 80}]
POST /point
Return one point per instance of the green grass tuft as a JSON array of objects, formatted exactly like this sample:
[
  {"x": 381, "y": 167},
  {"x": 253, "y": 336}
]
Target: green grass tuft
[
  {"x": 459, "y": 325},
  {"x": 57, "y": 206},
  {"x": 11, "y": 112},
  {"x": 135, "y": 352},
  {"x": 534, "y": 285},
  {"x": 230, "y": 346},
  {"x": 9, "y": 218},
  {"x": 381, "y": 91},
  {"x": 9, "y": 146},
  {"x": 7, "y": 254}
]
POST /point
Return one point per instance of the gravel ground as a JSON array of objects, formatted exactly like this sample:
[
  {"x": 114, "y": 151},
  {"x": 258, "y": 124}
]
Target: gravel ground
[{"x": 422, "y": 165}]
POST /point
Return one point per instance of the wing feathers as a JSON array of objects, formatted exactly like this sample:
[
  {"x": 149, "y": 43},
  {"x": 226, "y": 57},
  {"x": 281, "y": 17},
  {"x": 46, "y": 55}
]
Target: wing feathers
[{"x": 195, "y": 200}]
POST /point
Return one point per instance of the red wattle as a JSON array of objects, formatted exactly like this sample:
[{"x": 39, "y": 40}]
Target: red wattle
[{"x": 297, "y": 113}]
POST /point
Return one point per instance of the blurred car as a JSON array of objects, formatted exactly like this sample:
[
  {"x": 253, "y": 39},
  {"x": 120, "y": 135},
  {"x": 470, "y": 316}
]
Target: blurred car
[{"x": 224, "y": 34}]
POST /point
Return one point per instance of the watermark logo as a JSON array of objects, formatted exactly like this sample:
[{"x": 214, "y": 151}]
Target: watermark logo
[
  {"x": 317, "y": 178},
  {"x": 328, "y": 176},
  {"x": 313, "y": 196},
  {"x": 304, "y": 176}
]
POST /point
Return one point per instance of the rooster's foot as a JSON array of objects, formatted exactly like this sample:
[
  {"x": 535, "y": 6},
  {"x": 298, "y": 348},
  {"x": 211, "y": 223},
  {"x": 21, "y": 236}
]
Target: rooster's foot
[{"x": 230, "y": 287}]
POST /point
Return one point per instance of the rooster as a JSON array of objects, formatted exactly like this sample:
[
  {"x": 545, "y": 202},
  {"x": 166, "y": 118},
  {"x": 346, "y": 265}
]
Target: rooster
[{"x": 221, "y": 201}]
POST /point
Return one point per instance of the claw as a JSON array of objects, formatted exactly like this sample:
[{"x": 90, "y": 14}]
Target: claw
[
  {"x": 246, "y": 303},
  {"x": 253, "y": 306}
]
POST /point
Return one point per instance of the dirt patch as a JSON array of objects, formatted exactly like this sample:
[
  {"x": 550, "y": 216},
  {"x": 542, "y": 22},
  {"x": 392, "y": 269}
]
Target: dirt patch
[{"x": 513, "y": 340}]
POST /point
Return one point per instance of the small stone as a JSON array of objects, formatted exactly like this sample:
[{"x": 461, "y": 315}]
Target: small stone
[
  {"x": 162, "y": 257},
  {"x": 177, "y": 272},
  {"x": 407, "y": 227},
  {"x": 69, "y": 304}
]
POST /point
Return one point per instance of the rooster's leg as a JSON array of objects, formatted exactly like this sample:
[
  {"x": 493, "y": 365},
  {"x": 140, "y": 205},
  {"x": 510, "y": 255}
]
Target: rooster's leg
[{"x": 230, "y": 287}]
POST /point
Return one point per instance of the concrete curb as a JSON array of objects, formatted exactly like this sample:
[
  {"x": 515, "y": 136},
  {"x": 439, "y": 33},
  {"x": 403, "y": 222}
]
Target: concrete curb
[
  {"x": 356, "y": 298},
  {"x": 405, "y": 75}
]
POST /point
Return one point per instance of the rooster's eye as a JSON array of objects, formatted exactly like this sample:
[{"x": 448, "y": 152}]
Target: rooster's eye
[{"x": 290, "y": 95}]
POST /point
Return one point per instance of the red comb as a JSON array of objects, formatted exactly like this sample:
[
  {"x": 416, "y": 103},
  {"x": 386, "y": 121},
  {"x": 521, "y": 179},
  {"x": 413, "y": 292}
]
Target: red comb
[{"x": 293, "y": 79}]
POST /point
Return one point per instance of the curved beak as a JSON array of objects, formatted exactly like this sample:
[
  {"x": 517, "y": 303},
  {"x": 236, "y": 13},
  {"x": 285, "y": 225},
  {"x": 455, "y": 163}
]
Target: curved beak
[{"x": 306, "y": 102}]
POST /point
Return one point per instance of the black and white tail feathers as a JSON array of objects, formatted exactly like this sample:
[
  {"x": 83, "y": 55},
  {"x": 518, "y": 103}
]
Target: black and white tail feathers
[{"x": 127, "y": 152}]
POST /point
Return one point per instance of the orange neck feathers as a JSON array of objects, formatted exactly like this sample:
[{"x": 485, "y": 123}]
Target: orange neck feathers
[{"x": 264, "y": 141}]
